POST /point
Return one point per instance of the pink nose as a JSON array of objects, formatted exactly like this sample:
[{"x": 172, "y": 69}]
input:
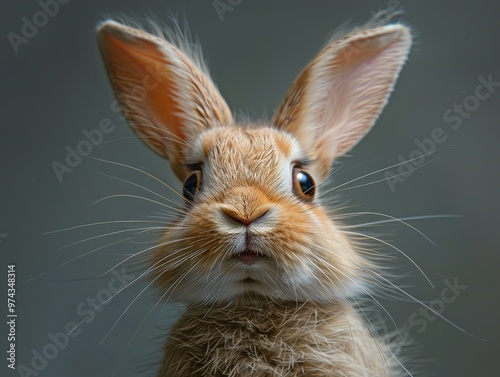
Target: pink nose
[{"x": 245, "y": 218}]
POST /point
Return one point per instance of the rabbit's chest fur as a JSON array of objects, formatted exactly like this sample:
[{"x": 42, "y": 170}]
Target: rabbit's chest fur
[{"x": 272, "y": 340}]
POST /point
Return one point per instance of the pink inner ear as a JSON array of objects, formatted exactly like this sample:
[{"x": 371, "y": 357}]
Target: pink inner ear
[
  {"x": 338, "y": 97},
  {"x": 168, "y": 98},
  {"x": 358, "y": 82},
  {"x": 130, "y": 63},
  {"x": 346, "y": 109}
]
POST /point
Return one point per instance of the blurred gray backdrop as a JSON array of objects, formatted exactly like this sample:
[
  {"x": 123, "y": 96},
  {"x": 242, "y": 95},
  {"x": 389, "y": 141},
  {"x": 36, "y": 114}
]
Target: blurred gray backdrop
[{"x": 53, "y": 87}]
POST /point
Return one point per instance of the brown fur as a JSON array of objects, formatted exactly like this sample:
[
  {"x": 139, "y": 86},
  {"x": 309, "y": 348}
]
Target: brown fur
[
  {"x": 268, "y": 277},
  {"x": 261, "y": 338}
]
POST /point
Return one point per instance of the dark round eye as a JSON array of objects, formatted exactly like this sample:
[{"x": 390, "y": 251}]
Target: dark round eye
[
  {"x": 191, "y": 185},
  {"x": 304, "y": 184}
]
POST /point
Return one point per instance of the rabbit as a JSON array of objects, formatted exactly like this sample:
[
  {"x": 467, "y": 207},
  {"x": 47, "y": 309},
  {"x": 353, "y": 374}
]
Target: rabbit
[{"x": 266, "y": 274}]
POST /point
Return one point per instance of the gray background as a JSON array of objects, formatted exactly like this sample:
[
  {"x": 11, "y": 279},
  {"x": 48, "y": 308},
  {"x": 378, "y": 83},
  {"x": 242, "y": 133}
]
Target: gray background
[{"x": 55, "y": 87}]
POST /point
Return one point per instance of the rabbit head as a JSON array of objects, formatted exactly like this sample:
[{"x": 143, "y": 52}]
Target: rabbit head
[{"x": 251, "y": 223}]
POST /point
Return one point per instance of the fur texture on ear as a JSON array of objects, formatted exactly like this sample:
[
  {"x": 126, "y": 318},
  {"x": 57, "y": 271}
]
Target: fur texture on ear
[
  {"x": 167, "y": 96},
  {"x": 337, "y": 98}
]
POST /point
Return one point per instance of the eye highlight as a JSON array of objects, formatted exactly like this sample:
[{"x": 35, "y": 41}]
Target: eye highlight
[
  {"x": 191, "y": 185},
  {"x": 303, "y": 184}
]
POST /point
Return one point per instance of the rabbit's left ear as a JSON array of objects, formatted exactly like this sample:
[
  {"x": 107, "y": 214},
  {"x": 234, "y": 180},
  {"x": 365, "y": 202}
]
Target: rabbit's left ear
[{"x": 337, "y": 98}]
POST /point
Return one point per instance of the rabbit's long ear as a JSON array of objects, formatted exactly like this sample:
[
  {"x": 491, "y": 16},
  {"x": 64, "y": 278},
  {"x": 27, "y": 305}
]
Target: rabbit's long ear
[
  {"x": 337, "y": 98},
  {"x": 165, "y": 95}
]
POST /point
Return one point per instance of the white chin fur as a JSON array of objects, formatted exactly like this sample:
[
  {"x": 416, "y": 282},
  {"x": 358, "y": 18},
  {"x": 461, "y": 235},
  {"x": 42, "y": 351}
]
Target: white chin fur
[{"x": 260, "y": 278}]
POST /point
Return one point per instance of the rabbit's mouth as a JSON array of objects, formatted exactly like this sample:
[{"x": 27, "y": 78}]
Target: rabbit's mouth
[
  {"x": 249, "y": 281},
  {"x": 248, "y": 256}
]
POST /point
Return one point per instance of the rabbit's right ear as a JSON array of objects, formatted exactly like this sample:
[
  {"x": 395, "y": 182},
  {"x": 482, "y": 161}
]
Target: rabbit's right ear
[{"x": 166, "y": 96}]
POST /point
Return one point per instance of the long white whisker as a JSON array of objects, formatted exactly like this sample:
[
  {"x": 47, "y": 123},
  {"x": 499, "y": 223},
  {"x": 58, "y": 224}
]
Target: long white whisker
[
  {"x": 142, "y": 187},
  {"x": 427, "y": 307},
  {"x": 132, "y": 256},
  {"x": 94, "y": 250},
  {"x": 111, "y": 234},
  {"x": 138, "y": 197},
  {"x": 395, "y": 248},
  {"x": 134, "y": 300},
  {"x": 102, "y": 223},
  {"x": 392, "y": 219},
  {"x": 392, "y": 177},
  {"x": 409, "y": 218},
  {"x": 140, "y": 171},
  {"x": 383, "y": 169},
  {"x": 329, "y": 265}
]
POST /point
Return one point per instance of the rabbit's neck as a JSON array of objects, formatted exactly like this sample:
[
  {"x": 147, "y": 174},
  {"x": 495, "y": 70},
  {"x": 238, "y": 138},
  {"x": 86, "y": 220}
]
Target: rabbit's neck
[{"x": 273, "y": 339}]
